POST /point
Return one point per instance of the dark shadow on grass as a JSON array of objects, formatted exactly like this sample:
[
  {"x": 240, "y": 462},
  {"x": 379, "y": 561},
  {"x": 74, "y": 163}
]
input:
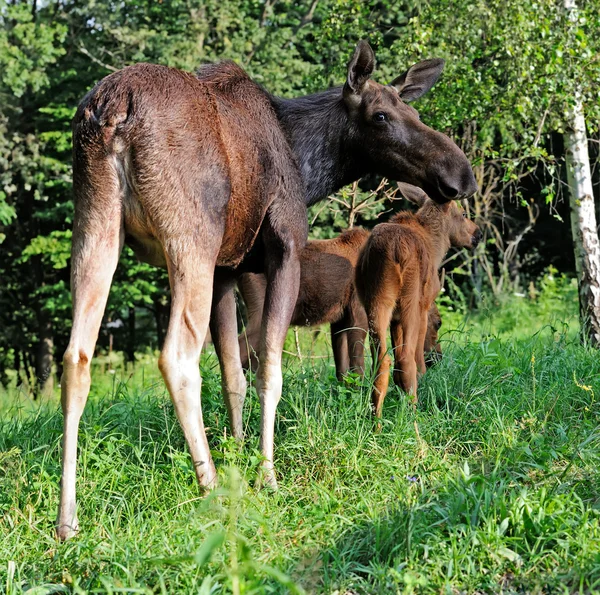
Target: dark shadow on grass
[{"x": 476, "y": 534}]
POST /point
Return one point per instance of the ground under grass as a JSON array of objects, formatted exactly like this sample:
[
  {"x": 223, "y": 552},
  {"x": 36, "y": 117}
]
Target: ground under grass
[{"x": 493, "y": 485}]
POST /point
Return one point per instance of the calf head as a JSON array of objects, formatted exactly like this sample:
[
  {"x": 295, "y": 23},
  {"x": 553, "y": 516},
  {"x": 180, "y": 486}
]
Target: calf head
[
  {"x": 462, "y": 232},
  {"x": 389, "y": 133},
  {"x": 449, "y": 220}
]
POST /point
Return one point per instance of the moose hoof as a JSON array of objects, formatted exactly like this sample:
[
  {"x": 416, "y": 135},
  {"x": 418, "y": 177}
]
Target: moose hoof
[
  {"x": 206, "y": 474},
  {"x": 267, "y": 479},
  {"x": 64, "y": 532}
]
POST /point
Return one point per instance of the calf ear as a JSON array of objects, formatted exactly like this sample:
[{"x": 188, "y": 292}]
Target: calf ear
[
  {"x": 418, "y": 79},
  {"x": 412, "y": 193},
  {"x": 360, "y": 68}
]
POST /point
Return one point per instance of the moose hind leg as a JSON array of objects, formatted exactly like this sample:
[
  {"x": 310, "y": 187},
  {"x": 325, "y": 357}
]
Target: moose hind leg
[
  {"x": 420, "y": 349},
  {"x": 191, "y": 278},
  {"x": 284, "y": 235},
  {"x": 97, "y": 241},
  {"x": 252, "y": 287},
  {"x": 411, "y": 323},
  {"x": 357, "y": 335},
  {"x": 378, "y": 325},
  {"x": 397, "y": 345},
  {"x": 223, "y": 328}
]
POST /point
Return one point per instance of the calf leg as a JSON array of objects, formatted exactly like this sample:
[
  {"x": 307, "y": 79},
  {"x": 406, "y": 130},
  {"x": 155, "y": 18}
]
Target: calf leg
[
  {"x": 253, "y": 288},
  {"x": 223, "y": 328},
  {"x": 339, "y": 342},
  {"x": 411, "y": 323},
  {"x": 397, "y": 345},
  {"x": 420, "y": 347},
  {"x": 191, "y": 278},
  {"x": 97, "y": 242},
  {"x": 378, "y": 325},
  {"x": 357, "y": 335}
]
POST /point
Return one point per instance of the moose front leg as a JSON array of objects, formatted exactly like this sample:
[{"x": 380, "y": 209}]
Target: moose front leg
[
  {"x": 282, "y": 246},
  {"x": 223, "y": 328}
]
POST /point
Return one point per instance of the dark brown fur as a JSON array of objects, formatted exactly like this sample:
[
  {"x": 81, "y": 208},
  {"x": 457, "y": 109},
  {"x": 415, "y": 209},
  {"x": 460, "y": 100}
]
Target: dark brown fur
[{"x": 397, "y": 282}]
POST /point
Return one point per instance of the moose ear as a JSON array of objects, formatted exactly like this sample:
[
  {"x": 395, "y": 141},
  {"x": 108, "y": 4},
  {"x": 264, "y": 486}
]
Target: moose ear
[
  {"x": 418, "y": 79},
  {"x": 412, "y": 193},
  {"x": 360, "y": 68}
]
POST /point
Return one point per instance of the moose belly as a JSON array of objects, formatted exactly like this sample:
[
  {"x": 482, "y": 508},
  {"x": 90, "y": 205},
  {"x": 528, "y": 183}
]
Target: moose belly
[
  {"x": 237, "y": 241},
  {"x": 147, "y": 249}
]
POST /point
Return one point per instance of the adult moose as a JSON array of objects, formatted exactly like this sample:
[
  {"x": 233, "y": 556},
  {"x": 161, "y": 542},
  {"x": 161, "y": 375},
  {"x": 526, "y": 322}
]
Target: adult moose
[{"x": 209, "y": 175}]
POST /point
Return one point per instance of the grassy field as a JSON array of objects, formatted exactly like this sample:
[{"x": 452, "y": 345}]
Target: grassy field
[{"x": 498, "y": 492}]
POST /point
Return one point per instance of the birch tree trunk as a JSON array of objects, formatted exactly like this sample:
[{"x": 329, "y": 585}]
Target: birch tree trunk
[
  {"x": 583, "y": 225},
  {"x": 583, "y": 215}
]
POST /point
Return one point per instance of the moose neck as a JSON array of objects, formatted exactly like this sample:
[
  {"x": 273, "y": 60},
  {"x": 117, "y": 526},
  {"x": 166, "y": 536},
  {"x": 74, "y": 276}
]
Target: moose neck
[
  {"x": 319, "y": 131},
  {"x": 430, "y": 217}
]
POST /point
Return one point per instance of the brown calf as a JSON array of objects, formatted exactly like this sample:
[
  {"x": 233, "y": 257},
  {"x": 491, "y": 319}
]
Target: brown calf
[
  {"x": 327, "y": 296},
  {"x": 397, "y": 281}
]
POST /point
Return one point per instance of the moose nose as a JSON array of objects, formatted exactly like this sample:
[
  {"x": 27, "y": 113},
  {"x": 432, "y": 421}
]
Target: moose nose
[
  {"x": 477, "y": 237},
  {"x": 456, "y": 185},
  {"x": 448, "y": 190}
]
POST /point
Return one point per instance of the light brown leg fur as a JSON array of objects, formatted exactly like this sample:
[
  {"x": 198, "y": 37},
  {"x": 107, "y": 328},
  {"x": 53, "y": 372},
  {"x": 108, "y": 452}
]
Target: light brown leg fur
[
  {"x": 283, "y": 244},
  {"x": 191, "y": 279},
  {"x": 397, "y": 345},
  {"x": 420, "y": 349},
  {"x": 379, "y": 321},
  {"x": 410, "y": 320},
  {"x": 97, "y": 242}
]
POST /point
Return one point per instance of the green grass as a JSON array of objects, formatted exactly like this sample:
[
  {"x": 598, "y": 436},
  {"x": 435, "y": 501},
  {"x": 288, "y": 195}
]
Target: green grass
[{"x": 498, "y": 492}]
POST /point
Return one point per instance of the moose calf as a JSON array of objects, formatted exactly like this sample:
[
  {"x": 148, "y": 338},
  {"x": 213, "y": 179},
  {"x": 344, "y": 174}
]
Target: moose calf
[
  {"x": 397, "y": 282},
  {"x": 327, "y": 296}
]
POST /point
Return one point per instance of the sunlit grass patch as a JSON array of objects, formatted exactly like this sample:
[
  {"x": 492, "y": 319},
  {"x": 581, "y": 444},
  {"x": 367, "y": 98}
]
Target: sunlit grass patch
[{"x": 490, "y": 486}]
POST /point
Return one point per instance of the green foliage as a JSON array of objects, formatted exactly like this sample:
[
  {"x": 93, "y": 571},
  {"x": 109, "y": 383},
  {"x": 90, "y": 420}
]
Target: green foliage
[
  {"x": 514, "y": 67},
  {"x": 551, "y": 301},
  {"x": 55, "y": 248},
  {"x": 27, "y": 47}
]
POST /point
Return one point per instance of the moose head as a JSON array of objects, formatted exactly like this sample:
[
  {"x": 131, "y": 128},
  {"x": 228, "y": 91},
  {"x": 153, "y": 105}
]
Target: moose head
[{"x": 392, "y": 138}]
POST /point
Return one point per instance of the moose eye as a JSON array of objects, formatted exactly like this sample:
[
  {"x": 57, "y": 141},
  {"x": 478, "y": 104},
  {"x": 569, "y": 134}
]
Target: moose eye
[
  {"x": 464, "y": 215},
  {"x": 379, "y": 117}
]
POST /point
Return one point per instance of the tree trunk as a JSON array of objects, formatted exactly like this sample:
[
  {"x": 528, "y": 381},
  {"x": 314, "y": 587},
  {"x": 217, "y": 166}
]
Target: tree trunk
[
  {"x": 583, "y": 213},
  {"x": 583, "y": 225}
]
